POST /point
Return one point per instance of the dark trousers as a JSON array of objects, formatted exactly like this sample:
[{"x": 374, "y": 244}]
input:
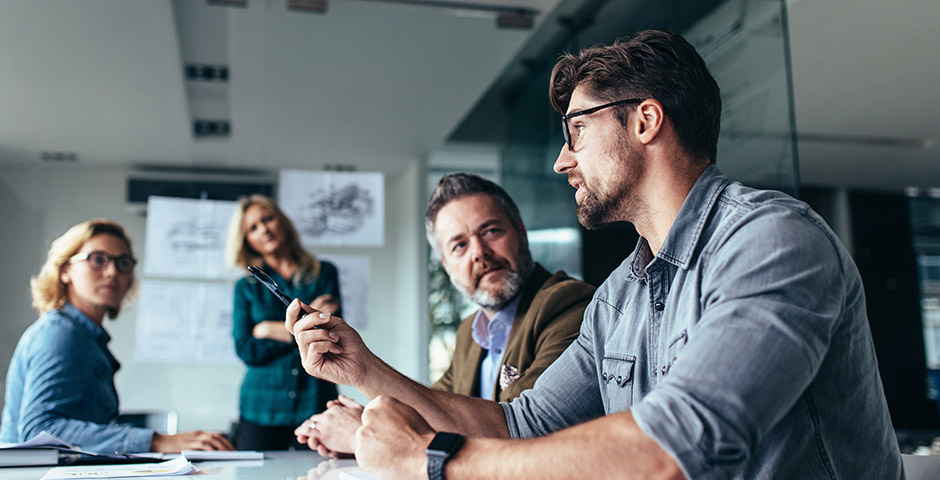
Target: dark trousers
[{"x": 251, "y": 436}]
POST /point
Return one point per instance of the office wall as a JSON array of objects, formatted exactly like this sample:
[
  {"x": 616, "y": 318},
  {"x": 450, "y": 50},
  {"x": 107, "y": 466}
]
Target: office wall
[{"x": 39, "y": 202}]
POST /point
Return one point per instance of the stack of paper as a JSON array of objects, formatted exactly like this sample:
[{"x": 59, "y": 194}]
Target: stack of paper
[{"x": 177, "y": 466}]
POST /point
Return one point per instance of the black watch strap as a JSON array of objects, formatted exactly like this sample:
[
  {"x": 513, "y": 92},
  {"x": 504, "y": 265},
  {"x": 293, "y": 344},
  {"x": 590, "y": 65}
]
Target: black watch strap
[
  {"x": 441, "y": 449},
  {"x": 436, "y": 467}
]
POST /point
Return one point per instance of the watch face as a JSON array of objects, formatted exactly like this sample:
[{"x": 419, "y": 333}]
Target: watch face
[{"x": 444, "y": 443}]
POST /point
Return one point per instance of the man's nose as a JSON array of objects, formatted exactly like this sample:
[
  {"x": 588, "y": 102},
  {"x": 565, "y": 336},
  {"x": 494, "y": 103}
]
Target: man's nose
[
  {"x": 565, "y": 160},
  {"x": 479, "y": 250}
]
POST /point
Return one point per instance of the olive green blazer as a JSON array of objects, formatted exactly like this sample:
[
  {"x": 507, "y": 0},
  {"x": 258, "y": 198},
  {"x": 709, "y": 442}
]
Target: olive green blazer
[{"x": 547, "y": 320}]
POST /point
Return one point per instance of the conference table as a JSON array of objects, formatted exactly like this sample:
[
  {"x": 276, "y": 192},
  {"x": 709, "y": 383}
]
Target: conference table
[
  {"x": 308, "y": 465},
  {"x": 280, "y": 465}
]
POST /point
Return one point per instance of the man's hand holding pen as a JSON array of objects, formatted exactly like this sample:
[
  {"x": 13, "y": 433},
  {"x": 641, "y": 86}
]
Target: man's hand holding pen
[{"x": 329, "y": 348}]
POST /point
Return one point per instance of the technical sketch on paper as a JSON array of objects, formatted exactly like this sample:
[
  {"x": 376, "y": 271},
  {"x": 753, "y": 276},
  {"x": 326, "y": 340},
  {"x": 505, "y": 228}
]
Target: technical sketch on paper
[
  {"x": 334, "y": 208},
  {"x": 186, "y": 238},
  {"x": 185, "y": 322}
]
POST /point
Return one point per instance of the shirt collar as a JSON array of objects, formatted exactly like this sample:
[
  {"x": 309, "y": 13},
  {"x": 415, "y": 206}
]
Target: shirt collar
[
  {"x": 97, "y": 331},
  {"x": 683, "y": 236},
  {"x": 480, "y": 330}
]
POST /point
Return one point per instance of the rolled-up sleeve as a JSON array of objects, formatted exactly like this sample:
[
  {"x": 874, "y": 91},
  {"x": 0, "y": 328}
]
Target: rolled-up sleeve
[{"x": 770, "y": 306}]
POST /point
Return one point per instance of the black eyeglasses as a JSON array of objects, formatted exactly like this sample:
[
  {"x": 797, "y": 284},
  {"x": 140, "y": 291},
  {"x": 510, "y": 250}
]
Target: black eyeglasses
[
  {"x": 98, "y": 260},
  {"x": 564, "y": 119}
]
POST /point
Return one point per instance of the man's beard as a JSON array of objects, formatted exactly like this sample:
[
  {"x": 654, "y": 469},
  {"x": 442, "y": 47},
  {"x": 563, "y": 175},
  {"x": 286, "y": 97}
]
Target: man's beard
[
  {"x": 512, "y": 286},
  {"x": 595, "y": 211}
]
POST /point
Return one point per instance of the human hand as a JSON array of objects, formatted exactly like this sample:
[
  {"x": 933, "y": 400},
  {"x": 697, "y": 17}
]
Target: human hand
[
  {"x": 273, "y": 330},
  {"x": 329, "y": 348},
  {"x": 325, "y": 303},
  {"x": 332, "y": 433},
  {"x": 195, "y": 440},
  {"x": 392, "y": 440}
]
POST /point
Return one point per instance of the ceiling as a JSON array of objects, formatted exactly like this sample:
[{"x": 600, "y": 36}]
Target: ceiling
[{"x": 375, "y": 85}]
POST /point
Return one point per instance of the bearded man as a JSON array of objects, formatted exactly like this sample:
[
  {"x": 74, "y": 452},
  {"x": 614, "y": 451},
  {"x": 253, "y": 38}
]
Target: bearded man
[{"x": 527, "y": 316}]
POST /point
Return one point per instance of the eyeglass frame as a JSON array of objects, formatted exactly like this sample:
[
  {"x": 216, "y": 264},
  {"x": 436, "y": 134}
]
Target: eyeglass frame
[
  {"x": 564, "y": 119},
  {"x": 84, "y": 257}
]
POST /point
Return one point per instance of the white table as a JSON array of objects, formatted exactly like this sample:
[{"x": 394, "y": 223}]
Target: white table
[{"x": 280, "y": 465}]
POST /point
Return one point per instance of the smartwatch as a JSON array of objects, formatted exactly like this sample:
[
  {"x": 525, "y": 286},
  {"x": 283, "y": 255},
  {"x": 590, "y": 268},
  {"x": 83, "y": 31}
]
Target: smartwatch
[{"x": 444, "y": 446}]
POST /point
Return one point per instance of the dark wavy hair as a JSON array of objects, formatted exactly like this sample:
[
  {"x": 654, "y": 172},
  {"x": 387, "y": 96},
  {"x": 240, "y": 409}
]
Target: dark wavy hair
[{"x": 657, "y": 64}]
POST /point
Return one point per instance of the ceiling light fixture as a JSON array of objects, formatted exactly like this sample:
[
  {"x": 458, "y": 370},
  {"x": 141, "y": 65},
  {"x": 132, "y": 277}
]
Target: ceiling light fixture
[
  {"x": 315, "y": 6},
  {"x": 506, "y": 16}
]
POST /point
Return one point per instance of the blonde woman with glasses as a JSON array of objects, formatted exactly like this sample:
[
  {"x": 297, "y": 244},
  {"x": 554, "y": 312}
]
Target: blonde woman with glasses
[{"x": 61, "y": 377}]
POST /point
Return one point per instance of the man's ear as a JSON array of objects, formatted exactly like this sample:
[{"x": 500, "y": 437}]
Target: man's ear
[{"x": 649, "y": 120}]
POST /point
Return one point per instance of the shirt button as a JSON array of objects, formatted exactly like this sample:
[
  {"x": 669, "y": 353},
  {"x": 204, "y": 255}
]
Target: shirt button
[
  {"x": 619, "y": 379},
  {"x": 659, "y": 306},
  {"x": 604, "y": 376},
  {"x": 291, "y": 394},
  {"x": 294, "y": 371}
]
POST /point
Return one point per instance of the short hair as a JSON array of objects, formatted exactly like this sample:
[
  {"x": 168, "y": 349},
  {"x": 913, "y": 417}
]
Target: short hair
[
  {"x": 657, "y": 64},
  {"x": 459, "y": 185},
  {"x": 48, "y": 291},
  {"x": 238, "y": 253}
]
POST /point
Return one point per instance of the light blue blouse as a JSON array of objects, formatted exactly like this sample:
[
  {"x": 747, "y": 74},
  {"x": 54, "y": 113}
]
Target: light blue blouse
[{"x": 61, "y": 380}]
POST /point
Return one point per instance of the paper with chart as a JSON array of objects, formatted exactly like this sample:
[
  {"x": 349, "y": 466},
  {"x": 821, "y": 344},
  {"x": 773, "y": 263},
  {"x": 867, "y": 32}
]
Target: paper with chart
[
  {"x": 185, "y": 322},
  {"x": 186, "y": 238},
  {"x": 334, "y": 208}
]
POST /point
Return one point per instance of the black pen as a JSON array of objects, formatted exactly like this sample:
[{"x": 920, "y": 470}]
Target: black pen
[{"x": 271, "y": 285}]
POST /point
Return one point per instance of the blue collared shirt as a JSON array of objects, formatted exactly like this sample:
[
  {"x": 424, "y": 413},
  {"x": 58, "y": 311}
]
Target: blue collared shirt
[
  {"x": 742, "y": 348},
  {"x": 493, "y": 335},
  {"x": 61, "y": 380}
]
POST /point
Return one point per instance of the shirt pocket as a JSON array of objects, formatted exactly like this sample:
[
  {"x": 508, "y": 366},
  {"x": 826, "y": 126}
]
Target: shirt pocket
[
  {"x": 671, "y": 354},
  {"x": 617, "y": 381}
]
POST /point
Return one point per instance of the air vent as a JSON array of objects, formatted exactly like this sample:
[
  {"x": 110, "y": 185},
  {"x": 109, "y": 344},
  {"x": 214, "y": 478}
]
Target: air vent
[
  {"x": 211, "y": 128},
  {"x": 206, "y": 73},
  {"x": 59, "y": 157}
]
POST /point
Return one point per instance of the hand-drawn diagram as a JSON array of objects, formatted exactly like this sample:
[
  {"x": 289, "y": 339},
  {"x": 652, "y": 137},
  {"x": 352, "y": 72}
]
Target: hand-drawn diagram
[
  {"x": 186, "y": 238},
  {"x": 334, "y": 208},
  {"x": 342, "y": 211}
]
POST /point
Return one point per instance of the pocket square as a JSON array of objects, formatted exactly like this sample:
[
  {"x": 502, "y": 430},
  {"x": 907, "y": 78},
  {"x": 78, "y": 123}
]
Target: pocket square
[{"x": 507, "y": 375}]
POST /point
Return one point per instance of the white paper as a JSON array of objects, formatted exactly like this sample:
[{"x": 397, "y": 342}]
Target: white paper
[
  {"x": 185, "y": 322},
  {"x": 177, "y": 466},
  {"x": 200, "y": 455},
  {"x": 334, "y": 208},
  {"x": 354, "y": 274},
  {"x": 186, "y": 238}
]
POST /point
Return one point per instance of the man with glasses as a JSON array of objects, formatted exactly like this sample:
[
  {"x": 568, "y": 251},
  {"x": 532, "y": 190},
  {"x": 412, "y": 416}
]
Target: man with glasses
[{"x": 732, "y": 343}]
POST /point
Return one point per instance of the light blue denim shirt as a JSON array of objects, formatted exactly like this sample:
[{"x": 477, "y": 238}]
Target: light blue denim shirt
[
  {"x": 493, "y": 335},
  {"x": 61, "y": 380},
  {"x": 743, "y": 348}
]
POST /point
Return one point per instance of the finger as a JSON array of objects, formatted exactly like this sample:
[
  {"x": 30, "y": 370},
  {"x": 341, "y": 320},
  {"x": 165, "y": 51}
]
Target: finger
[
  {"x": 292, "y": 314},
  {"x": 324, "y": 320},
  {"x": 348, "y": 402}
]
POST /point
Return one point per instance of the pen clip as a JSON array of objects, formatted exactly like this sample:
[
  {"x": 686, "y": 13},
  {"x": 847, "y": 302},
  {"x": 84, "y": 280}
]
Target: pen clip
[{"x": 269, "y": 283}]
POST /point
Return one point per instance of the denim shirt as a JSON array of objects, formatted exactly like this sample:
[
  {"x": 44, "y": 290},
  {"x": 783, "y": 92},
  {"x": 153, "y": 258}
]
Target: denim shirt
[
  {"x": 742, "y": 348},
  {"x": 61, "y": 380}
]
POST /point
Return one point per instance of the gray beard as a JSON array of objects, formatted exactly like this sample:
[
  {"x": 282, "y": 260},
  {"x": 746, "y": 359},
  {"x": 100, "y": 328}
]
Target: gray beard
[{"x": 513, "y": 286}]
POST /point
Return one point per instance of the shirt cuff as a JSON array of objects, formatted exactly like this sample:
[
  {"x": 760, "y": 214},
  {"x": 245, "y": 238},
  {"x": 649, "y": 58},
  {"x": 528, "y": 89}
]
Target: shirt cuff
[{"x": 139, "y": 440}]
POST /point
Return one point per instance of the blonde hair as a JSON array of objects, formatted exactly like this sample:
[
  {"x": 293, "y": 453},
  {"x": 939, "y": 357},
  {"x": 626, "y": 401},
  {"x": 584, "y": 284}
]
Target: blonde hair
[
  {"x": 238, "y": 253},
  {"x": 49, "y": 293}
]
